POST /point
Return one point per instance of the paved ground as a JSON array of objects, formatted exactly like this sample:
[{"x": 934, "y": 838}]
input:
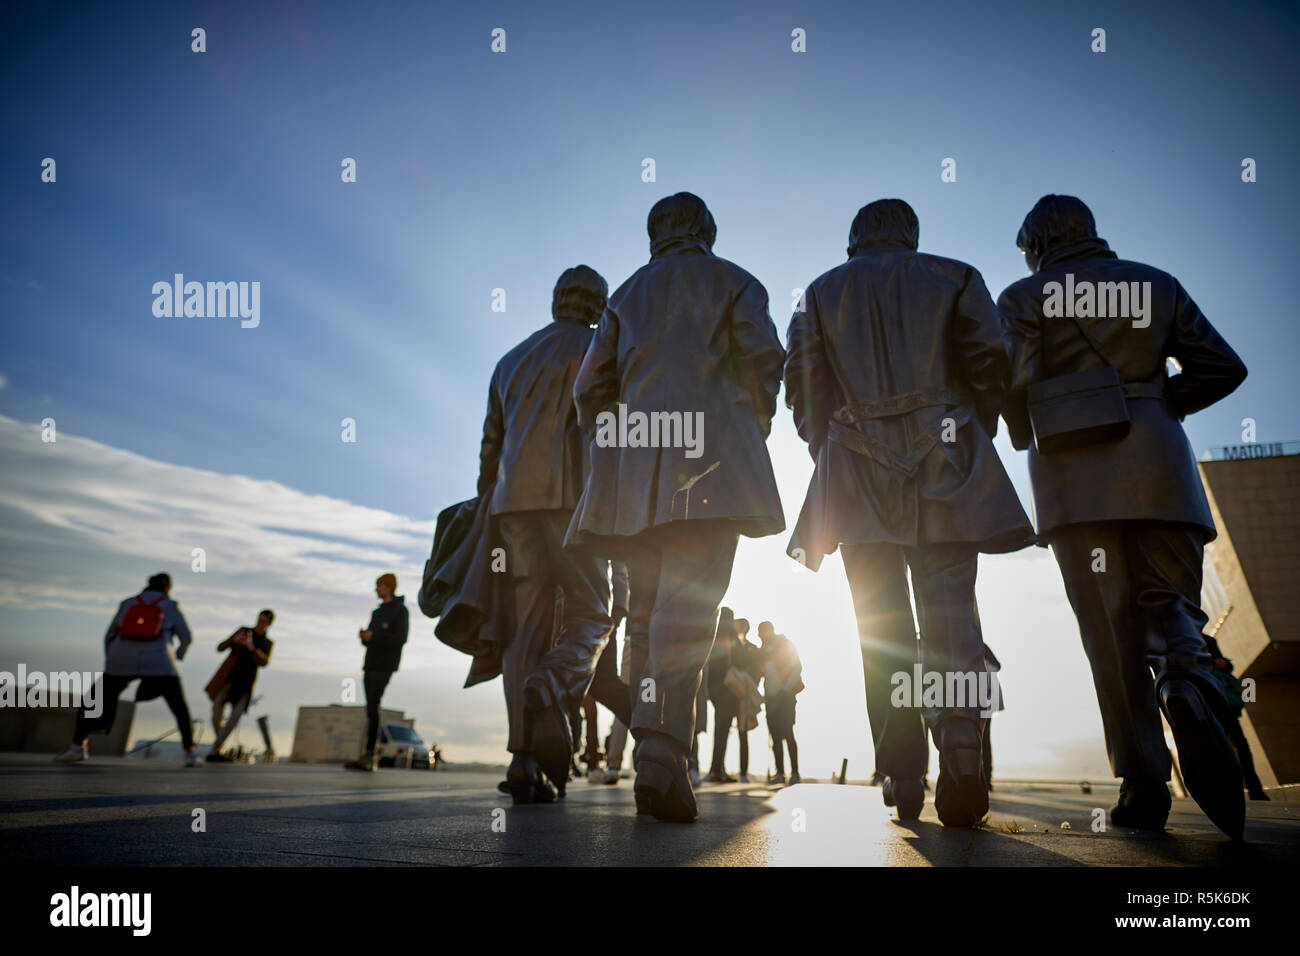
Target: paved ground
[{"x": 140, "y": 813}]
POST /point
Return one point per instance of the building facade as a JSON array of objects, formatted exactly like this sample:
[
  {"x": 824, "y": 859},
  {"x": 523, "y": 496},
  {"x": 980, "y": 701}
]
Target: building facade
[
  {"x": 336, "y": 733},
  {"x": 1252, "y": 575}
]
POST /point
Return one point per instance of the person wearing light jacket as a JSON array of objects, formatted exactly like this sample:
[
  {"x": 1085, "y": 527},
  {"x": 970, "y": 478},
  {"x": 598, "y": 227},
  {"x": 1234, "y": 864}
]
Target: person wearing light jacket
[{"x": 149, "y": 659}]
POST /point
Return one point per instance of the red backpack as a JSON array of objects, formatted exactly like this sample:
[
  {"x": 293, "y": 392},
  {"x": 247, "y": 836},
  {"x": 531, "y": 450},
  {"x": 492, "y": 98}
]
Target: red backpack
[{"x": 142, "y": 621}]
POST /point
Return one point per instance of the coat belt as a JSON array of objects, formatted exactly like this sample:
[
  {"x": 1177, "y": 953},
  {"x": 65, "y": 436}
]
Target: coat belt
[
  {"x": 895, "y": 405},
  {"x": 841, "y": 431}
]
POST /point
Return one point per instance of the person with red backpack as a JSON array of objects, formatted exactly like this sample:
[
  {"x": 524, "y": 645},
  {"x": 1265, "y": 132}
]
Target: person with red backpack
[{"x": 138, "y": 645}]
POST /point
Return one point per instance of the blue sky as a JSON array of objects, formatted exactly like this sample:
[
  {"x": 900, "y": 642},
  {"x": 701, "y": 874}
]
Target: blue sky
[{"x": 479, "y": 170}]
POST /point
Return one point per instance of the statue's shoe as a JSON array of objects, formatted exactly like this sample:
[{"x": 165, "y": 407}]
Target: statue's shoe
[
  {"x": 907, "y": 794},
  {"x": 550, "y": 735},
  {"x": 663, "y": 788},
  {"x": 1142, "y": 804},
  {"x": 961, "y": 796},
  {"x": 525, "y": 783},
  {"x": 1205, "y": 755}
]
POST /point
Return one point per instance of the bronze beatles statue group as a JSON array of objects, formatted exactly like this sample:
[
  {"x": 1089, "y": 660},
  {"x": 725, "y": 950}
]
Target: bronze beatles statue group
[{"x": 897, "y": 367}]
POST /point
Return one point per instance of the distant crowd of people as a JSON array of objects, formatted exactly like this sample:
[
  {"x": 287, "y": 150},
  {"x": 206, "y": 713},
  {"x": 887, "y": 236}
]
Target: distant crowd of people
[{"x": 740, "y": 681}]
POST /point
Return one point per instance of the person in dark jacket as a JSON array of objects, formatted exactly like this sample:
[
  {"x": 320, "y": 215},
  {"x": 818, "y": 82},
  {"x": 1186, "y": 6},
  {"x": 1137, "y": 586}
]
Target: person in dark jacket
[
  {"x": 677, "y": 391},
  {"x": 1127, "y": 517},
  {"x": 531, "y": 465},
  {"x": 383, "y": 639},
  {"x": 726, "y": 705},
  {"x": 782, "y": 683},
  {"x": 895, "y": 374},
  {"x": 748, "y": 658},
  {"x": 250, "y": 650}
]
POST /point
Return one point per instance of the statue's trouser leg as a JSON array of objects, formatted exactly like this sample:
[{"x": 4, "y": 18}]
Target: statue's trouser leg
[
  {"x": 606, "y": 686},
  {"x": 887, "y": 636},
  {"x": 952, "y": 643},
  {"x": 677, "y": 582},
  {"x": 618, "y": 735},
  {"x": 593, "y": 734},
  {"x": 534, "y": 597},
  {"x": 986, "y": 751},
  {"x": 1166, "y": 562},
  {"x": 565, "y": 671},
  {"x": 1099, "y": 583}
]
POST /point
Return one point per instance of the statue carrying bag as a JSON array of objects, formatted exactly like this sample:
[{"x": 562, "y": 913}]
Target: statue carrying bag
[{"x": 1083, "y": 408}]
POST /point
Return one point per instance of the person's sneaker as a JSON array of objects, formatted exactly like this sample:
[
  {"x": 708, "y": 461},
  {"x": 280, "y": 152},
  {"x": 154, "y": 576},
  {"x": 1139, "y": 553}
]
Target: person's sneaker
[
  {"x": 217, "y": 757},
  {"x": 778, "y": 779},
  {"x": 612, "y": 777},
  {"x": 74, "y": 754},
  {"x": 715, "y": 777},
  {"x": 191, "y": 758},
  {"x": 795, "y": 778},
  {"x": 365, "y": 763},
  {"x": 744, "y": 778}
]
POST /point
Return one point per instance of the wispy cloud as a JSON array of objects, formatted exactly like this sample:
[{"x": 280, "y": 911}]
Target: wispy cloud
[{"x": 312, "y": 556}]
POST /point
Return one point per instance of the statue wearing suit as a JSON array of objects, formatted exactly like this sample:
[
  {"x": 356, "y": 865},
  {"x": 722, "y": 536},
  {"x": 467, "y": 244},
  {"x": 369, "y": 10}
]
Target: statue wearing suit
[
  {"x": 531, "y": 467},
  {"x": 896, "y": 374},
  {"x": 1127, "y": 517},
  {"x": 687, "y": 335}
]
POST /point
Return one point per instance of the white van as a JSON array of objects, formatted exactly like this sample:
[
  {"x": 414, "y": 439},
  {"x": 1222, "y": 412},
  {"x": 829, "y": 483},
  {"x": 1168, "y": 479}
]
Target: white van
[{"x": 400, "y": 746}]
